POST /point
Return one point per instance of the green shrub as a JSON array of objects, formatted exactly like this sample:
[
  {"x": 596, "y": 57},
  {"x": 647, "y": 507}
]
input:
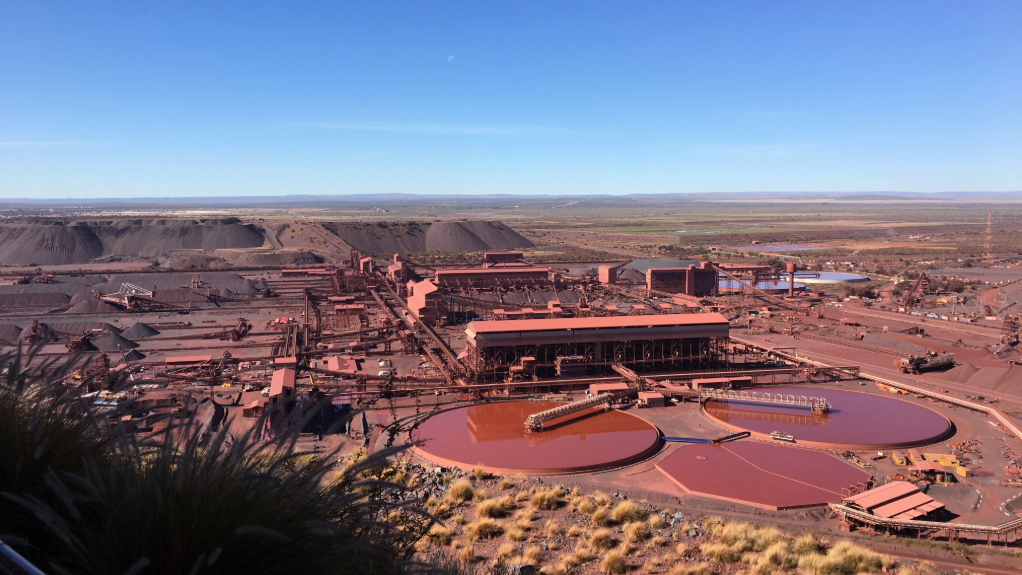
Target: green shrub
[{"x": 191, "y": 500}]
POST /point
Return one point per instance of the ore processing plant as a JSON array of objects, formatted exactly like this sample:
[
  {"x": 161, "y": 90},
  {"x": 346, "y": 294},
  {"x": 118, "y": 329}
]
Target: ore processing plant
[{"x": 693, "y": 368}]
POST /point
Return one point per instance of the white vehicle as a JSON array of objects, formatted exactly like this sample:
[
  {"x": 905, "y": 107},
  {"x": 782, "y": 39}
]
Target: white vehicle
[
  {"x": 265, "y": 392},
  {"x": 385, "y": 373},
  {"x": 385, "y": 363}
]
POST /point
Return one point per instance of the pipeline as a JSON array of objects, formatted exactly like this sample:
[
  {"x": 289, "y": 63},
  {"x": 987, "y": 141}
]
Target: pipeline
[{"x": 725, "y": 439}]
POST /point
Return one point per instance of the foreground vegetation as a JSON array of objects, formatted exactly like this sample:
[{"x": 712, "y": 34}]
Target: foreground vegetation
[
  {"x": 83, "y": 495},
  {"x": 491, "y": 524}
]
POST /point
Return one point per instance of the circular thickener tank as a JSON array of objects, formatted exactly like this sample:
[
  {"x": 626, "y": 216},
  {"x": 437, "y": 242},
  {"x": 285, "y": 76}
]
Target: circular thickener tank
[
  {"x": 856, "y": 420},
  {"x": 493, "y": 436},
  {"x": 829, "y": 278}
]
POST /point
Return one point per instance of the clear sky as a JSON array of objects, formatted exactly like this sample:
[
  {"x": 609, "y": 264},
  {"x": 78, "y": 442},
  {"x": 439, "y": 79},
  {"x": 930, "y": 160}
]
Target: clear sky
[{"x": 147, "y": 99}]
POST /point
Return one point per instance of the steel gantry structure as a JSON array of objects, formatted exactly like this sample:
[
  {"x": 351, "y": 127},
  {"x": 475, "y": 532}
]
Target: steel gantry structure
[{"x": 816, "y": 404}]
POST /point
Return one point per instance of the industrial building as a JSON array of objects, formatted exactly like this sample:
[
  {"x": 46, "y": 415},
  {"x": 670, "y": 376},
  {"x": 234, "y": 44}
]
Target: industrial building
[
  {"x": 504, "y": 259},
  {"x": 694, "y": 280},
  {"x": 426, "y": 302},
  {"x": 898, "y": 500},
  {"x": 494, "y": 276},
  {"x": 643, "y": 343}
]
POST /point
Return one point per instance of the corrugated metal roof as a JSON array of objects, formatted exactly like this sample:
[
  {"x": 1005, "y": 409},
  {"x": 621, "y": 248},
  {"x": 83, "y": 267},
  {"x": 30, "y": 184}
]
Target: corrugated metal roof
[
  {"x": 883, "y": 494},
  {"x": 282, "y": 378},
  {"x": 189, "y": 359},
  {"x": 491, "y": 270},
  {"x": 902, "y": 505},
  {"x": 643, "y": 265},
  {"x": 928, "y": 466},
  {"x": 505, "y": 326},
  {"x": 597, "y": 388}
]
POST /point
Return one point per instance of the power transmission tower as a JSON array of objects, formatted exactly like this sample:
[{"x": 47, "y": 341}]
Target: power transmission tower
[{"x": 988, "y": 244}]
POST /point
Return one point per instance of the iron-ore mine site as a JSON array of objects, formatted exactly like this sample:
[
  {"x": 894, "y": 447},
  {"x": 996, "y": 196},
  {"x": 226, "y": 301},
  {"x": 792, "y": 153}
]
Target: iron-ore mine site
[{"x": 537, "y": 383}]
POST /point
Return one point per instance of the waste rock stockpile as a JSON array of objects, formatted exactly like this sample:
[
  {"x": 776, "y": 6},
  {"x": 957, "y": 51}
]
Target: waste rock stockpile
[
  {"x": 78, "y": 242},
  {"x": 406, "y": 237}
]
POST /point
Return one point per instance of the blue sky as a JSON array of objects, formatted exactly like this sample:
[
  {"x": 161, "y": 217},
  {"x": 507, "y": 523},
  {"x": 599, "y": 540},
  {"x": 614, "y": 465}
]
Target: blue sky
[{"x": 147, "y": 99}]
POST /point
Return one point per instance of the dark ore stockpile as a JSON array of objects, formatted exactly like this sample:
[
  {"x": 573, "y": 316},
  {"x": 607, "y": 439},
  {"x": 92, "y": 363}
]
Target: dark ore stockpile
[
  {"x": 77, "y": 242},
  {"x": 406, "y": 237}
]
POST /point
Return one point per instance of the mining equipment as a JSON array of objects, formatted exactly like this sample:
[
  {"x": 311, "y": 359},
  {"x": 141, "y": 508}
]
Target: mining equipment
[
  {"x": 919, "y": 289},
  {"x": 80, "y": 343},
  {"x": 1010, "y": 330},
  {"x": 919, "y": 363}
]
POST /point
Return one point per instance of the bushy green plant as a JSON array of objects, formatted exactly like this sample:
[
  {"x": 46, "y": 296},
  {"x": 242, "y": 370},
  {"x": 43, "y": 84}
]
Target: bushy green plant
[
  {"x": 188, "y": 500},
  {"x": 43, "y": 428}
]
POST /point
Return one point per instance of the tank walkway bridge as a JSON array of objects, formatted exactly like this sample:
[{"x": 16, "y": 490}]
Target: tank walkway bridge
[
  {"x": 835, "y": 372},
  {"x": 536, "y": 421},
  {"x": 816, "y": 419},
  {"x": 785, "y": 353},
  {"x": 816, "y": 404},
  {"x": 1005, "y": 532}
]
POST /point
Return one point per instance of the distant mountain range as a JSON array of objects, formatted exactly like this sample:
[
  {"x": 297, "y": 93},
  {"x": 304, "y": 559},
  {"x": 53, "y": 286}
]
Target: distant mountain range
[{"x": 496, "y": 201}]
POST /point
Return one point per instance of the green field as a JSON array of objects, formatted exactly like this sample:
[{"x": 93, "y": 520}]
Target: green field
[{"x": 687, "y": 230}]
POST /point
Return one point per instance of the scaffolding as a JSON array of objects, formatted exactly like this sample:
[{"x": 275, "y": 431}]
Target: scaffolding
[
  {"x": 536, "y": 421},
  {"x": 639, "y": 355}
]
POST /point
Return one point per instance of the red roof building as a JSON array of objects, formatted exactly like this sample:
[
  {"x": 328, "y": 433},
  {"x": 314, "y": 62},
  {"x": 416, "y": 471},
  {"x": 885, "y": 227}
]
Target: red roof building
[
  {"x": 897, "y": 500},
  {"x": 283, "y": 382}
]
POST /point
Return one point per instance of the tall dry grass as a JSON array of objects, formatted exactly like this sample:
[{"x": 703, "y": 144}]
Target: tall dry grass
[
  {"x": 496, "y": 508},
  {"x": 461, "y": 491},
  {"x": 844, "y": 559},
  {"x": 613, "y": 562},
  {"x": 628, "y": 512},
  {"x": 546, "y": 499}
]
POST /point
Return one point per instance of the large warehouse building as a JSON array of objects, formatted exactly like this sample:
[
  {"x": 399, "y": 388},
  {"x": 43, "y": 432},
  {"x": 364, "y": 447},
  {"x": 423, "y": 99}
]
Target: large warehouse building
[
  {"x": 492, "y": 277},
  {"x": 694, "y": 280},
  {"x": 591, "y": 345}
]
